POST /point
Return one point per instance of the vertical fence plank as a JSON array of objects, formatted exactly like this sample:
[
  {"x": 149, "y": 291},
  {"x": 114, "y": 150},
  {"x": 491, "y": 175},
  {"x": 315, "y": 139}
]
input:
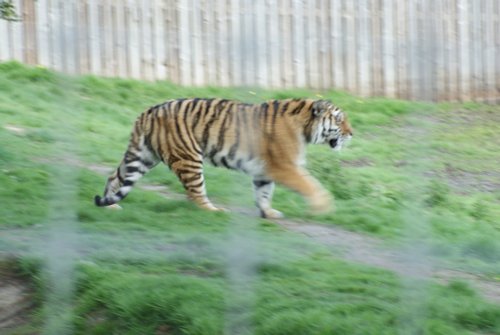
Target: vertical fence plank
[
  {"x": 5, "y": 47},
  {"x": 115, "y": 42},
  {"x": 388, "y": 54},
  {"x": 171, "y": 41},
  {"x": 252, "y": 43},
  {"x": 56, "y": 32},
  {"x": 221, "y": 47},
  {"x": 184, "y": 43},
  {"x": 464, "y": 41},
  {"x": 451, "y": 44},
  {"x": 15, "y": 29},
  {"x": 168, "y": 10},
  {"x": 476, "y": 54},
  {"x": 158, "y": 38},
  {"x": 28, "y": 16},
  {"x": 274, "y": 44},
  {"x": 311, "y": 41},
  {"x": 113, "y": 39},
  {"x": 260, "y": 36},
  {"x": 350, "y": 45},
  {"x": 286, "y": 50},
  {"x": 83, "y": 66},
  {"x": 207, "y": 36},
  {"x": 298, "y": 43},
  {"x": 336, "y": 36},
  {"x": 95, "y": 47},
  {"x": 444, "y": 67},
  {"x": 497, "y": 50},
  {"x": 489, "y": 53},
  {"x": 402, "y": 49},
  {"x": 42, "y": 33},
  {"x": 323, "y": 12},
  {"x": 133, "y": 54},
  {"x": 147, "y": 40},
  {"x": 245, "y": 24},
  {"x": 121, "y": 38},
  {"x": 106, "y": 38},
  {"x": 329, "y": 46},
  {"x": 196, "y": 47},
  {"x": 70, "y": 37},
  {"x": 377, "y": 79},
  {"x": 441, "y": 28},
  {"x": 235, "y": 40},
  {"x": 364, "y": 53},
  {"x": 413, "y": 50},
  {"x": 454, "y": 53}
]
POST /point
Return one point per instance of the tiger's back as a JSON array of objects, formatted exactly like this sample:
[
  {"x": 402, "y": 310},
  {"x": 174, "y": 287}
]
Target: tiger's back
[{"x": 264, "y": 140}]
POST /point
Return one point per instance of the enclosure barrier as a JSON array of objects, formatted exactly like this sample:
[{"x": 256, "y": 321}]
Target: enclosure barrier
[{"x": 442, "y": 50}]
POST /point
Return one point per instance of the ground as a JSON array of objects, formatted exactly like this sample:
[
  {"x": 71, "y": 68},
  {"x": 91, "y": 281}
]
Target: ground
[{"x": 412, "y": 248}]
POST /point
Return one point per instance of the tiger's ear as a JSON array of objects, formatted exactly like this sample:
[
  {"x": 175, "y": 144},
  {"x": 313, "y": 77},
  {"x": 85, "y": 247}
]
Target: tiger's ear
[{"x": 320, "y": 106}]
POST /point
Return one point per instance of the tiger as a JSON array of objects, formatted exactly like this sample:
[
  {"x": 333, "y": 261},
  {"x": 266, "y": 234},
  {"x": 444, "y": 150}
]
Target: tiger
[{"x": 265, "y": 140}]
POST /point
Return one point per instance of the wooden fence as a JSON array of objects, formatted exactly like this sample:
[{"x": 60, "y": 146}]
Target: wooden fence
[{"x": 410, "y": 49}]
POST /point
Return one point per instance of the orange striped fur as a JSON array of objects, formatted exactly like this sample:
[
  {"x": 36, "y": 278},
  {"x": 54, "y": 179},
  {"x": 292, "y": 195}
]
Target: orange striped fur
[{"x": 266, "y": 141}]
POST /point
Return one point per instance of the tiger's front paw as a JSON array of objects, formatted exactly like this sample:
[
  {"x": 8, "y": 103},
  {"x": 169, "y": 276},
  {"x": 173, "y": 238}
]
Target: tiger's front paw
[
  {"x": 271, "y": 214},
  {"x": 322, "y": 204}
]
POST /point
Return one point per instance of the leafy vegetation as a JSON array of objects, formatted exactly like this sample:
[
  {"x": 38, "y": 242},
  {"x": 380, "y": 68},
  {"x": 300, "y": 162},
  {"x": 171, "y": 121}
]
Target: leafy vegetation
[{"x": 415, "y": 173}]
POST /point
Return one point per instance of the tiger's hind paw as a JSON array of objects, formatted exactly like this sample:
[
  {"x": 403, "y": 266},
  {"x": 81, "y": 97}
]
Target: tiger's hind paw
[{"x": 271, "y": 214}]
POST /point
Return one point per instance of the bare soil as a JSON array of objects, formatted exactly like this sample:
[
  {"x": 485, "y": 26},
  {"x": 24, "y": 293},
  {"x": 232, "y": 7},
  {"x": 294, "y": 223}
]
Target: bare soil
[{"x": 16, "y": 300}]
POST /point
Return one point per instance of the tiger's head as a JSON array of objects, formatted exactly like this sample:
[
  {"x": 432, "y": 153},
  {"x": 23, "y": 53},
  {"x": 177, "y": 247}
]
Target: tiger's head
[{"x": 331, "y": 125}]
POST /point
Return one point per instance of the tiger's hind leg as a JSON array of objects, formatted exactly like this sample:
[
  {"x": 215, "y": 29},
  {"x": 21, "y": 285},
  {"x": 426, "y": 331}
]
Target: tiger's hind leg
[
  {"x": 190, "y": 174},
  {"x": 133, "y": 166},
  {"x": 263, "y": 189}
]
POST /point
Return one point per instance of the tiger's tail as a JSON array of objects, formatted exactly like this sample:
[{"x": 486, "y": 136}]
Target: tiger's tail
[{"x": 138, "y": 160}]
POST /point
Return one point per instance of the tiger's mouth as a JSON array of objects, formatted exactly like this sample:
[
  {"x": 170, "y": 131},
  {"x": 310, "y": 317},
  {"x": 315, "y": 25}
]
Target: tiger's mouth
[{"x": 333, "y": 143}]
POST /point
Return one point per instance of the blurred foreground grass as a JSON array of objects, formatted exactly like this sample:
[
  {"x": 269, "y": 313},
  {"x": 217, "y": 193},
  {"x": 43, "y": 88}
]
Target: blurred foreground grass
[{"x": 414, "y": 173}]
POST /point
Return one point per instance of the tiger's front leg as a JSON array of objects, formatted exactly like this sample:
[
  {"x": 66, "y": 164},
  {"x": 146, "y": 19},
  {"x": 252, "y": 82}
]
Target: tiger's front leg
[
  {"x": 263, "y": 195},
  {"x": 190, "y": 174},
  {"x": 299, "y": 180}
]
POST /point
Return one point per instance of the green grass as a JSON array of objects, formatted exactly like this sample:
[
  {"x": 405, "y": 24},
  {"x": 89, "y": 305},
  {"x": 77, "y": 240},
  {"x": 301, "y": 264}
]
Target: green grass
[{"x": 165, "y": 267}]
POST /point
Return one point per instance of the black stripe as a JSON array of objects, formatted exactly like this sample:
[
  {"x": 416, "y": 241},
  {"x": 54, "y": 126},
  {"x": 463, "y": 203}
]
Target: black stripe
[
  {"x": 235, "y": 146},
  {"x": 195, "y": 186},
  {"x": 197, "y": 115},
  {"x": 222, "y": 131},
  {"x": 208, "y": 125},
  {"x": 156, "y": 129},
  {"x": 132, "y": 169},
  {"x": 178, "y": 127},
  {"x": 128, "y": 183},
  {"x": 189, "y": 109},
  {"x": 120, "y": 178},
  {"x": 225, "y": 163},
  {"x": 260, "y": 183},
  {"x": 298, "y": 109},
  {"x": 276, "y": 105},
  {"x": 178, "y": 105},
  {"x": 189, "y": 169}
]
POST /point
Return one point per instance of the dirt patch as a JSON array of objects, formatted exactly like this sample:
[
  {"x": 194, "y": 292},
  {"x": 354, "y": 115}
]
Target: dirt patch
[
  {"x": 362, "y": 249},
  {"x": 16, "y": 299},
  {"x": 465, "y": 182},
  {"x": 361, "y": 162}
]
